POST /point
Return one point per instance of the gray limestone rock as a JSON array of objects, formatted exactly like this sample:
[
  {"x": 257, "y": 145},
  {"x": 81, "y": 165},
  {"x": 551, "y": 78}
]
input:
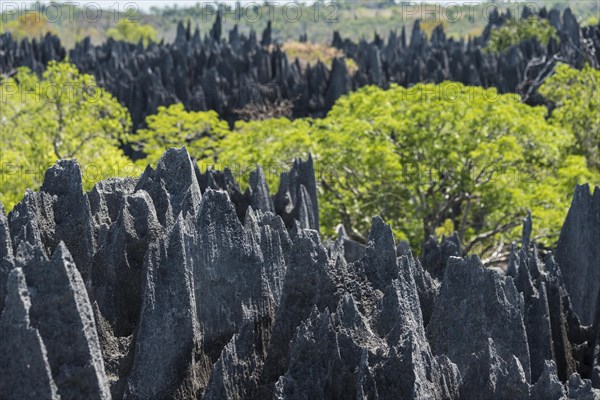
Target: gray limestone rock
[
  {"x": 322, "y": 353},
  {"x": 236, "y": 373},
  {"x": 195, "y": 289},
  {"x": 213, "y": 73},
  {"x": 58, "y": 213},
  {"x": 61, "y": 311},
  {"x": 168, "y": 334},
  {"x": 296, "y": 199},
  {"x": 566, "y": 328},
  {"x": 536, "y": 312},
  {"x": 70, "y": 212},
  {"x": 581, "y": 389},
  {"x": 32, "y": 221},
  {"x": 434, "y": 255},
  {"x": 578, "y": 252},
  {"x": 427, "y": 287},
  {"x": 548, "y": 386},
  {"x": 172, "y": 186},
  {"x": 229, "y": 255},
  {"x": 488, "y": 376},
  {"x": 6, "y": 255},
  {"x": 400, "y": 320},
  {"x": 350, "y": 249},
  {"x": 464, "y": 319},
  {"x": 105, "y": 199},
  {"x": 117, "y": 266},
  {"x": 105, "y": 203},
  {"x": 117, "y": 353},
  {"x": 596, "y": 362},
  {"x": 260, "y": 198},
  {"x": 392, "y": 356},
  {"x": 24, "y": 369},
  {"x": 308, "y": 283}
]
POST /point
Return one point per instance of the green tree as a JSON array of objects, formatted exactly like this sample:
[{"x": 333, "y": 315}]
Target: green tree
[
  {"x": 592, "y": 20},
  {"x": 514, "y": 32},
  {"x": 576, "y": 98},
  {"x": 272, "y": 143},
  {"x": 173, "y": 126},
  {"x": 62, "y": 115},
  {"x": 132, "y": 32},
  {"x": 432, "y": 158}
]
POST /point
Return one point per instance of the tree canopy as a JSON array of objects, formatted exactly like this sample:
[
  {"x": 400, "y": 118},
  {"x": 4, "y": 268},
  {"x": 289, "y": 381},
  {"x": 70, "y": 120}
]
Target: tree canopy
[
  {"x": 516, "y": 31},
  {"x": 173, "y": 126},
  {"x": 133, "y": 32},
  {"x": 429, "y": 159},
  {"x": 62, "y": 115},
  {"x": 576, "y": 100}
]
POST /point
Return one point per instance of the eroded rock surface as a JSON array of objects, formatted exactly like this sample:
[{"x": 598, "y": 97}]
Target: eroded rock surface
[
  {"x": 178, "y": 285},
  {"x": 578, "y": 253},
  {"x": 228, "y": 75}
]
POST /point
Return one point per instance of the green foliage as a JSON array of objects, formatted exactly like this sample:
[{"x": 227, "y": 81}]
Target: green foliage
[
  {"x": 428, "y": 159},
  {"x": 576, "y": 96},
  {"x": 592, "y": 21},
  {"x": 132, "y": 32},
  {"x": 62, "y": 115},
  {"x": 173, "y": 126},
  {"x": 272, "y": 143},
  {"x": 514, "y": 32}
]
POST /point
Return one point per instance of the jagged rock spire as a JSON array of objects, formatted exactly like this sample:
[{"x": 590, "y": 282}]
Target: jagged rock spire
[
  {"x": 24, "y": 369},
  {"x": 6, "y": 255},
  {"x": 435, "y": 255},
  {"x": 548, "y": 386},
  {"x": 61, "y": 311},
  {"x": 494, "y": 311},
  {"x": 195, "y": 289},
  {"x": 173, "y": 186},
  {"x": 578, "y": 252},
  {"x": 208, "y": 73},
  {"x": 168, "y": 307}
]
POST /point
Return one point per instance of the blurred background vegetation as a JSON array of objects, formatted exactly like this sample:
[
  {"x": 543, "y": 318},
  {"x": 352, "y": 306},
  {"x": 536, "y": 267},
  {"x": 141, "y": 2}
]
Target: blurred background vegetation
[{"x": 353, "y": 19}]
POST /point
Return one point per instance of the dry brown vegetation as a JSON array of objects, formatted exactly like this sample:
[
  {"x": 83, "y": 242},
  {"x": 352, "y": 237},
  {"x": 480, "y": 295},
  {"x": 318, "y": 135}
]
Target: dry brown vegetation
[{"x": 310, "y": 53}]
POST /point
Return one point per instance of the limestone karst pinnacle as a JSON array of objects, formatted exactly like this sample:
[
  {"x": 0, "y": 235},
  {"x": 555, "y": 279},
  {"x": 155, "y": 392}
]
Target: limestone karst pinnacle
[
  {"x": 188, "y": 288},
  {"x": 241, "y": 72}
]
